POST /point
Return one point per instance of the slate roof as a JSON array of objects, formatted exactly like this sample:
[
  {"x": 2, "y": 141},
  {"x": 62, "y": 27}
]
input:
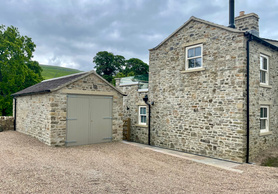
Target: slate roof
[
  {"x": 48, "y": 85},
  {"x": 263, "y": 41},
  {"x": 274, "y": 42},
  {"x": 57, "y": 83}
]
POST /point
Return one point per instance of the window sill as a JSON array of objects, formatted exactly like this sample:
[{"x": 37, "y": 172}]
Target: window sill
[
  {"x": 145, "y": 126},
  {"x": 265, "y": 85},
  {"x": 265, "y": 133},
  {"x": 143, "y": 90},
  {"x": 194, "y": 70}
]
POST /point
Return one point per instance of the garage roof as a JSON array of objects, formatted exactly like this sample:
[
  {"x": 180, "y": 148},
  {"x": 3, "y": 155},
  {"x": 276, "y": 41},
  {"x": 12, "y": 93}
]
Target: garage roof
[{"x": 54, "y": 84}]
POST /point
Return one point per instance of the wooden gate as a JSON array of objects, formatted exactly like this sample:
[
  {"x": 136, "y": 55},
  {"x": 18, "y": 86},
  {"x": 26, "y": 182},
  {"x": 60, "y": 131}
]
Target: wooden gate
[{"x": 126, "y": 130}]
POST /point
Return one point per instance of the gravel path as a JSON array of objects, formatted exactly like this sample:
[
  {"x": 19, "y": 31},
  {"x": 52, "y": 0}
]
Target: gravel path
[{"x": 28, "y": 166}]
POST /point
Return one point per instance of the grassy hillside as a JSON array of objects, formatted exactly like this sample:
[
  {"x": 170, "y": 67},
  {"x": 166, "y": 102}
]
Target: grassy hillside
[{"x": 50, "y": 71}]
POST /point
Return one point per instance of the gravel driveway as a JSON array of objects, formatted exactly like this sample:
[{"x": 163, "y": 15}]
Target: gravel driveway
[{"x": 28, "y": 166}]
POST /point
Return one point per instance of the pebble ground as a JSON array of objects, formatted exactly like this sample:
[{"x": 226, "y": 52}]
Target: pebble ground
[{"x": 29, "y": 166}]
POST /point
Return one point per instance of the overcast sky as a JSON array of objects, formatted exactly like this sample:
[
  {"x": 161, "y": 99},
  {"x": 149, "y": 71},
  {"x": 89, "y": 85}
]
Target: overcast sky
[{"x": 69, "y": 33}]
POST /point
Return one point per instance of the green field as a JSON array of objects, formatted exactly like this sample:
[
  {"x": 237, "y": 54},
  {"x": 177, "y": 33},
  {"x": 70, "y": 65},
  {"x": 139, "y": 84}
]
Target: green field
[{"x": 50, "y": 71}]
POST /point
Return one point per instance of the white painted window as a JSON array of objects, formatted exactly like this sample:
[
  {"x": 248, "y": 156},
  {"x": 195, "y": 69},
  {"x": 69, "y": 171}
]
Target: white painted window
[
  {"x": 264, "y": 119},
  {"x": 142, "y": 116},
  {"x": 264, "y": 69},
  {"x": 194, "y": 57}
]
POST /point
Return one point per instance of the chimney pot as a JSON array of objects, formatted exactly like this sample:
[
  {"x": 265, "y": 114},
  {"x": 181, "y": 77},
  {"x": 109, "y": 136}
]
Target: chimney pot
[{"x": 241, "y": 13}]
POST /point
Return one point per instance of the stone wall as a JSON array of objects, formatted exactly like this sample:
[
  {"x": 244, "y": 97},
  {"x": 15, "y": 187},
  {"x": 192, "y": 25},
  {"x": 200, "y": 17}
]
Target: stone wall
[
  {"x": 204, "y": 112},
  {"x": 131, "y": 103},
  {"x": 33, "y": 116},
  {"x": 200, "y": 112},
  {"x": 44, "y": 115},
  {"x": 6, "y": 123},
  {"x": 263, "y": 95}
]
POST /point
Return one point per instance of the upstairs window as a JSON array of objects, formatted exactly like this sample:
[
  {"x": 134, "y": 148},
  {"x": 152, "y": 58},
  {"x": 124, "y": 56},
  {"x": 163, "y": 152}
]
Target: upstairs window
[
  {"x": 264, "y": 119},
  {"x": 194, "y": 57},
  {"x": 264, "y": 69},
  {"x": 142, "y": 116}
]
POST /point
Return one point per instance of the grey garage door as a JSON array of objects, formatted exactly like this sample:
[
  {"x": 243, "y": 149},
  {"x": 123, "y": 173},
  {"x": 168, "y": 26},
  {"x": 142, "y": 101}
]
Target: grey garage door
[{"x": 89, "y": 119}]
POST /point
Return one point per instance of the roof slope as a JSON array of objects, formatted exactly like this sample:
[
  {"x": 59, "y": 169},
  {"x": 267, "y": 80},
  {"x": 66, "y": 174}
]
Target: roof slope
[
  {"x": 274, "y": 42},
  {"x": 58, "y": 83},
  {"x": 262, "y": 41},
  {"x": 192, "y": 18},
  {"x": 48, "y": 85}
]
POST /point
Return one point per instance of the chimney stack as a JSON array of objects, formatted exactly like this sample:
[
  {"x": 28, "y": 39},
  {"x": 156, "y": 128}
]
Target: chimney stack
[
  {"x": 248, "y": 22},
  {"x": 232, "y": 14}
]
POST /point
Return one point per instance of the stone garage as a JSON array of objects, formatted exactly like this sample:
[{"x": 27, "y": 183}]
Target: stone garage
[{"x": 78, "y": 109}]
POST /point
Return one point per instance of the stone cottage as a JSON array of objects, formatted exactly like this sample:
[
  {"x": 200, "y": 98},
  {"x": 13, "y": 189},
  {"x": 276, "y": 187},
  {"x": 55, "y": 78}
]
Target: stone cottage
[
  {"x": 214, "y": 91},
  {"x": 134, "y": 107},
  {"x": 77, "y": 109}
]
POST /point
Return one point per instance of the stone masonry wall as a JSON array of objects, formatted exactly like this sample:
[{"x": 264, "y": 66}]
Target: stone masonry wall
[
  {"x": 44, "y": 116},
  {"x": 260, "y": 95},
  {"x": 6, "y": 123},
  {"x": 200, "y": 112},
  {"x": 58, "y": 116},
  {"x": 33, "y": 116},
  {"x": 131, "y": 103}
]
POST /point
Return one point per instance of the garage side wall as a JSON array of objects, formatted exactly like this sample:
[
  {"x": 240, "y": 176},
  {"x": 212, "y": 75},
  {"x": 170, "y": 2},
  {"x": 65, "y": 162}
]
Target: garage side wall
[
  {"x": 33, "y": 118},
  {"x": 90, "y": 85}
]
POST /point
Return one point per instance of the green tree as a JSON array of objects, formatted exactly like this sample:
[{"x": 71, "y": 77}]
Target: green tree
[
  {"x": 17, "y": 70},
  {"x": 111, "y": 66},
  {"x": 133, "y": 67},
  {"x": 119, "y": 63},
  {"x": 108, "y": 64},
  {"x": 136, "y": 67}
]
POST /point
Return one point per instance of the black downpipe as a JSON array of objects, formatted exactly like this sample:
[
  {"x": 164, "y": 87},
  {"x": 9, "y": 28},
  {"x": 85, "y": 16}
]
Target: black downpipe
[
  {"x": 14, "y": 114},
  {"x": 149, "y": 122},
  {"x": 250, "y": 38},
  {"x": 149, "y": 126},
  {"x": 232, "y": 14}
]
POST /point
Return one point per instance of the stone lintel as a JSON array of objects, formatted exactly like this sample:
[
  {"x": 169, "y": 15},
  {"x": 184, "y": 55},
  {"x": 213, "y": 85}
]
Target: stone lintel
[
  {"x": 141, "y": 104},
  {"x": 264, "y": 52},
  {"x": 266, "y": 103},
  {"x": 84, "y": 92},
  {"x": 200, "y": 41}
]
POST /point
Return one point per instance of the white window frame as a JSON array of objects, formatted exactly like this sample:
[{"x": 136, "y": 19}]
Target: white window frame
[
  {"x": 188, "y": 58},
  {"x": 265, "y": 118},
  {"x": 263, "y": 70},
  {"x": 139, "y": 115}
]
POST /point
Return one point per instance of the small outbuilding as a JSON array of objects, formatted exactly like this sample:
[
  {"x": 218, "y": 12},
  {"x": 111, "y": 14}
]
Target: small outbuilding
[{"x": 78, "y": 109}]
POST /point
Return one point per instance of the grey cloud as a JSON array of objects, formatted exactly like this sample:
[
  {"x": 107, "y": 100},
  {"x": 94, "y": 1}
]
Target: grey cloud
[{"x": 70, "y": 32}]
